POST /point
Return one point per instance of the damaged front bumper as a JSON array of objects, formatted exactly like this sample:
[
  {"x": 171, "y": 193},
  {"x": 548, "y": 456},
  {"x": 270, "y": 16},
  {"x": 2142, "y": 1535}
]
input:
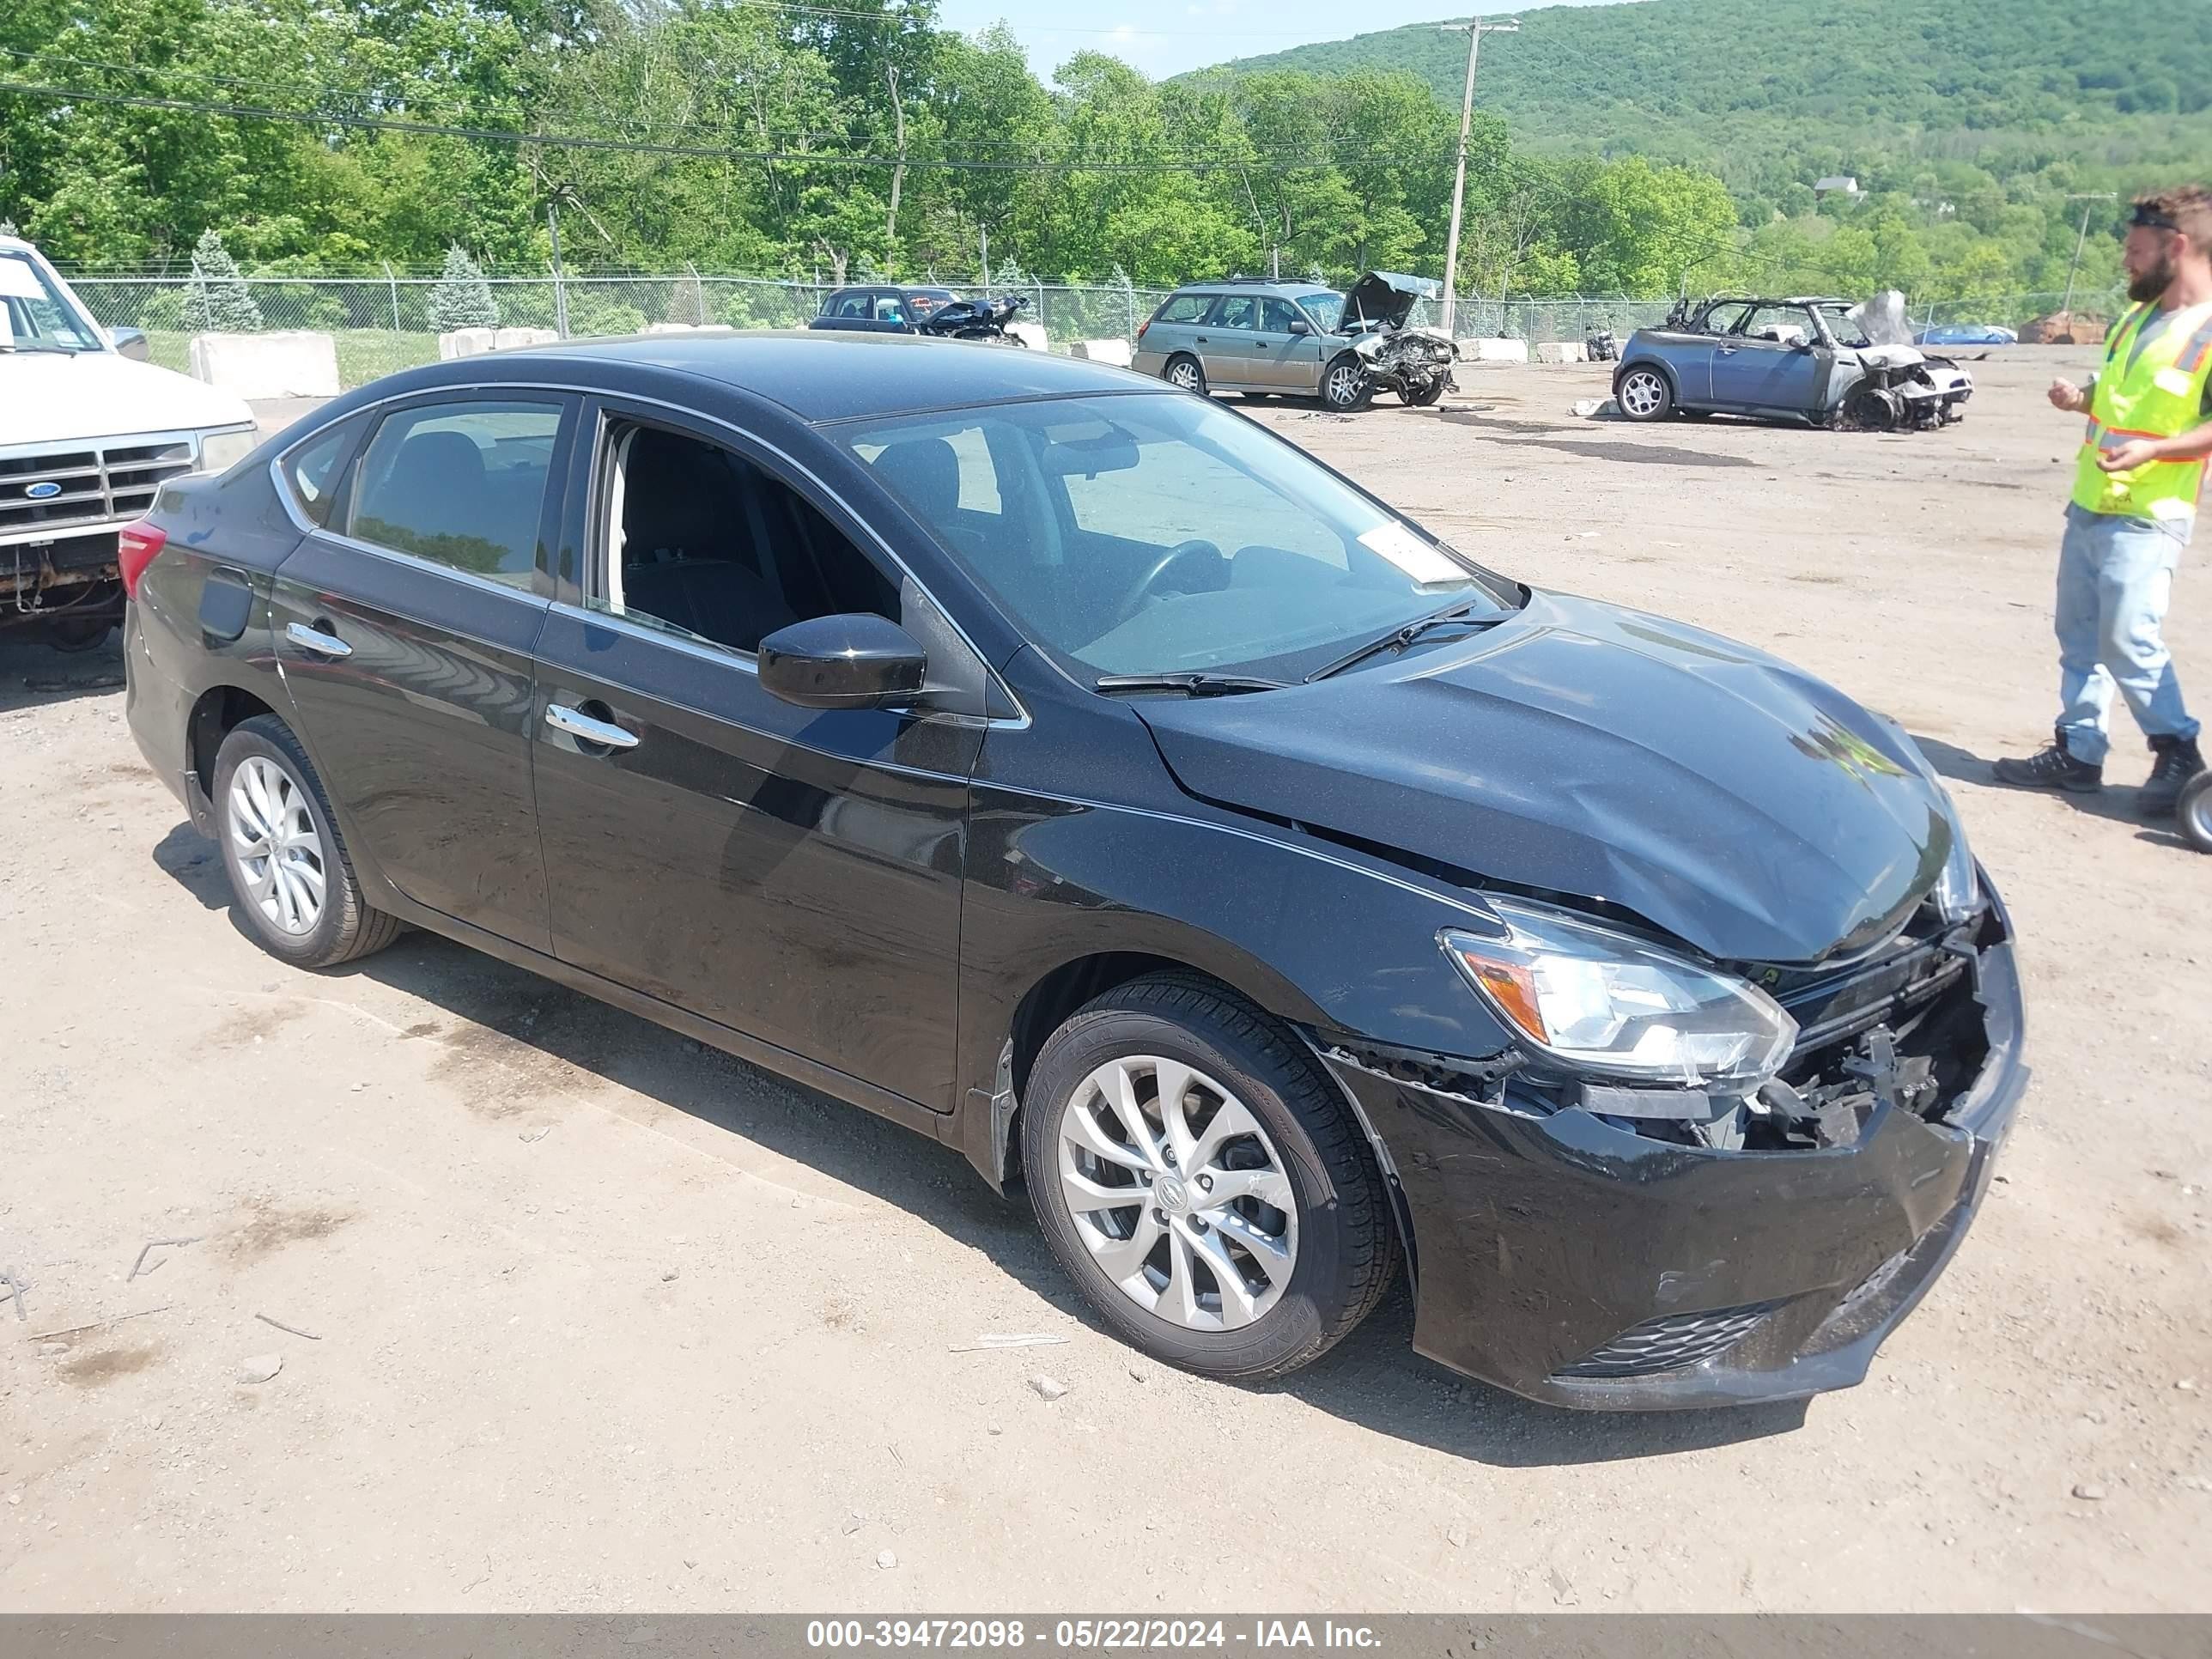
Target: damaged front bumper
[{"x": 1572, "y": 1260}]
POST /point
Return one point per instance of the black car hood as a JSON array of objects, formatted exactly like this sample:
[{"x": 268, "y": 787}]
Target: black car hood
[
  {"x": 1599, "y": 753},
  {"x": 1385, "y": 297}
]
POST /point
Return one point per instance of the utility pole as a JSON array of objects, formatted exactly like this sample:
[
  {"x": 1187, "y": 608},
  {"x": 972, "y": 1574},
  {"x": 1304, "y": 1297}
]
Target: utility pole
[
  {"x": 1475, "y": 28},
  {"x": 2088, "y": 198}
]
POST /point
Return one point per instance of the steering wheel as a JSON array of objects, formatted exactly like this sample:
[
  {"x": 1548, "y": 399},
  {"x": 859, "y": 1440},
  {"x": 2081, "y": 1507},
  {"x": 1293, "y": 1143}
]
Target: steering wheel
[{"x": 1193, "y": 552}]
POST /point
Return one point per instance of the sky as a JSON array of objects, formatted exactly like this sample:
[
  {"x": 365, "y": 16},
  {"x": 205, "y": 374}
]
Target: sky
[{"x": 1166, "y": 36}]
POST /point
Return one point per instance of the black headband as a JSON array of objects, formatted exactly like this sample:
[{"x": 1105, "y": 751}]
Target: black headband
[{"x": 2151, "y": 218}]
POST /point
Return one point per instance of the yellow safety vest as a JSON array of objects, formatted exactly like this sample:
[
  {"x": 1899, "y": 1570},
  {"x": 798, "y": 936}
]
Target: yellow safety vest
[{"x": 2153, "y": 393}]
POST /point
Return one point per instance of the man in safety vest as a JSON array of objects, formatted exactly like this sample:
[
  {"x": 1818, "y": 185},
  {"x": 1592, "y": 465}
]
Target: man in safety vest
[{"x": 2136, "y": 487}]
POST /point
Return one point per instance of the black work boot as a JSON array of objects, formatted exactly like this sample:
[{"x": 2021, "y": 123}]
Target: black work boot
[
  {"x": 2178, "y": 760},
  {"x": 2054, "y": 768}
]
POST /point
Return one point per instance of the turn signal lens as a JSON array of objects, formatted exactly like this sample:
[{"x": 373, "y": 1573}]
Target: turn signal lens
[
  {"x": 137, "y": 546},
  {"x": 1606, "y": 1003}
]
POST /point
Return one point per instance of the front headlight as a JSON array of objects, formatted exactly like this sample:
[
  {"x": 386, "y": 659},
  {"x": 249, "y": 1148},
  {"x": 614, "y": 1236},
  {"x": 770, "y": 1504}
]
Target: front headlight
[
  {"x": 221, "y": 451},
  {"x": 1607, "y": 1005},
  {"x": 1959, "y": 890}
]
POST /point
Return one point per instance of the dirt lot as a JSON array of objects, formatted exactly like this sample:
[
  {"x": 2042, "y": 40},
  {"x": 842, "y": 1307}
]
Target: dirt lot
[{"x": 603, "y": 1321}]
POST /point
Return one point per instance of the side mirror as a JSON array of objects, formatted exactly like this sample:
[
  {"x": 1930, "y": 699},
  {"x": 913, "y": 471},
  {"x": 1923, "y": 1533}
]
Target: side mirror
[
  {"x": 131, "y": 344},
  {"x": 854, "y": 661},
  {"x": 1300, "y": 326}
]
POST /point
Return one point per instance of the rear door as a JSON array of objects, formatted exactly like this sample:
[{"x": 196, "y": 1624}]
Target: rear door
[
  {"x": 1225, "y": 344},
  {"x": 404, "y": 626},
  {"x": 792, "y": 873}
]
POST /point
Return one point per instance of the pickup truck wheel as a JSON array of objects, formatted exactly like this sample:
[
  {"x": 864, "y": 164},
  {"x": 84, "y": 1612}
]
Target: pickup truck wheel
[
  {"x": 288, "y": 870},
  {"x": 1346, "y": 386},
  {"x": 1183, "y": 371},
  {"x": 1199, "y": 1176},
  {"x": 1645, "y": 395}
]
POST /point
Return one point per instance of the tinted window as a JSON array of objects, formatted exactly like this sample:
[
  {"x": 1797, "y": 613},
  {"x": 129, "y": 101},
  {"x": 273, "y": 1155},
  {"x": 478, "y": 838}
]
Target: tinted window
[
  {"x": 1184, "y": 308},
  {"x": 849, "y": 305},
  {"x": 463, "y": 484},
  {"x": 1237, "y": 311},
  {"x": 314, "y": 467},
  {"x": 705, "y": 544}
]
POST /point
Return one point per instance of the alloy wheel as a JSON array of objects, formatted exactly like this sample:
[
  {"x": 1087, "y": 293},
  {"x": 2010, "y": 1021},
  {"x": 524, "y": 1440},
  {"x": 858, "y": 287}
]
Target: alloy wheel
[
  {"x": 1344, "y": 385},
  {"x": 1642, "y": 393},
  {"x": 1178, "y": 1194},
  {"x": 1183, "y": 374},
  {"x": 279, "y": 850}
]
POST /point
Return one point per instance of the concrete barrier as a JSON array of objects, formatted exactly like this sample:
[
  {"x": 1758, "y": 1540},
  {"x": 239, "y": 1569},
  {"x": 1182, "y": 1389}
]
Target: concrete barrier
[
  {"x": 291, "y": 363},
  {"x": 1032, "y": 335},
  {"x": 1116, "y": 352},
  {"x": 514, "y": 339},
  {"x": 465, "y": 343},
  {"x": 1493, "y": 351},
  {"x": 1563, "y": 351}
]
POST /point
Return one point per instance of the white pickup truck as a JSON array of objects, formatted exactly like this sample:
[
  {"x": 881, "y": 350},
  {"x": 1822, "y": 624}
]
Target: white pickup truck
[{"x": 88, "y": 429}]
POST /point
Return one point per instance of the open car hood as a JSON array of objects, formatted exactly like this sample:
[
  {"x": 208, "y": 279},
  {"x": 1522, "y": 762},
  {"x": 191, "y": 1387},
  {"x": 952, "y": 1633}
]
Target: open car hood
[
  {"x": 1591, "y": 752},
  {"x": 1383, "y": 298}
]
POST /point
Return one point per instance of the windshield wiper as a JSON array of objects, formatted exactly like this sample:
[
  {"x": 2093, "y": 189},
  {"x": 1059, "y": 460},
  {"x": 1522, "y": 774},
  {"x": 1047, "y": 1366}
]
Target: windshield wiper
[
  {"x": 1397, "y": 638},
  {"x": 1195, "y": 685}
]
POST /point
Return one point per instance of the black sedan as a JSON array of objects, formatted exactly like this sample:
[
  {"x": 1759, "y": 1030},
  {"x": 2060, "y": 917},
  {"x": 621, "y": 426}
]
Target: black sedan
[{"x": 1071, "y": 769}]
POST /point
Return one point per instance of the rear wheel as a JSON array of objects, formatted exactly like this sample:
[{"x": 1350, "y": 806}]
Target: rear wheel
[
  {"x": 1200, "y": 1176},
  {"x": 1645, "y": 394},
  {"x": 288, "y": 870},
  {"x": 1183, "y": 370}
]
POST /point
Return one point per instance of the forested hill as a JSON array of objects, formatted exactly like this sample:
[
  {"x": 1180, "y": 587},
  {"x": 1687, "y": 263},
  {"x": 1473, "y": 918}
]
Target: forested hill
[{"x": 1771, "y": 93}]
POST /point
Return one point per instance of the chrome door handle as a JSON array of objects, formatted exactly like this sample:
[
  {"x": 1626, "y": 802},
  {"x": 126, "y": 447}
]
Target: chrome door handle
[
  {"x": 315, "y": 639},
  {"x": 1729, "y": 351},
  {"x": 583, "y": 726}
]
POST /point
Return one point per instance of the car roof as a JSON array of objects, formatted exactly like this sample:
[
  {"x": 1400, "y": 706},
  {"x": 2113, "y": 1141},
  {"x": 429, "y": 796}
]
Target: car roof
[
  {"x": 833, "y": 376},
  {"x": 1255, "y": 285}
]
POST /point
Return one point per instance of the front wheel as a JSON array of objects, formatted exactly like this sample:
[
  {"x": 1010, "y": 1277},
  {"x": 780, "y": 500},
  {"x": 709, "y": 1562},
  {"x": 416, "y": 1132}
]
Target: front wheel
[
  {"x": 1645, "y": 395},
  {"x": 1346, "y": 386},
  {"x": 288, "y": 870},
  {"x": 1198, "y": 1174},
  {"x": 1425, "y": 396}
]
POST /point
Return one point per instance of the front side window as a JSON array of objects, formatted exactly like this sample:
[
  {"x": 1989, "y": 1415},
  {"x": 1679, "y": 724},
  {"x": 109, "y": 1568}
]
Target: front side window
[
  {"x": 460, "y": 483},
  {"x": 888, "y": 309},
  {"x": 35, "y": 315},
  {"x": 1277, "y": 315},
  {"x": 1141, "y": 534},
  {"x": 1788, "y": 325},
  {"x": 701, "y": 542}
]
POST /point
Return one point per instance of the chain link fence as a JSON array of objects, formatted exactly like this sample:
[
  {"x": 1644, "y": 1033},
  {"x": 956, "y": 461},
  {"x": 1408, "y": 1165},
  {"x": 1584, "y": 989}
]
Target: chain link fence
[{"x": 384, "y": 323}]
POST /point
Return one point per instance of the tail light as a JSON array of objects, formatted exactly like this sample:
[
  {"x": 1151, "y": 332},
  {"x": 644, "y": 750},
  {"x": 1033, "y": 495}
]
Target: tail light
[
  {"x": 137, "y": 546},
  {"x": 1141, "y": 327}
]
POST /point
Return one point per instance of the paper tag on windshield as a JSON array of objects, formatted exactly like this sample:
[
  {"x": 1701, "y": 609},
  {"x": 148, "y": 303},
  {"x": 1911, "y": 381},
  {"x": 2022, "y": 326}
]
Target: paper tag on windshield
[
  {"x": 19, "y": 282},
  {"x": 1423, "y": 562}
]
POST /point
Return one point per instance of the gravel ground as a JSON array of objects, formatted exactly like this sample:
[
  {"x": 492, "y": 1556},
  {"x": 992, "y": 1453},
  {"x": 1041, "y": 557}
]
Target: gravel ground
[{"x": 585, "y": 1317}]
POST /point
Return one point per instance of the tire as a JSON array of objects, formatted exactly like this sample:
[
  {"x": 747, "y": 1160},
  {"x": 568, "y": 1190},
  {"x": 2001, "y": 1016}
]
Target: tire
[
  {"x": 1428, "y": 397},
  {"x": 1342, "y": 1246},
  {"x": 1185, "y": 371},
  {"x": 2193, "y": 812},
  {"x": 261, "y": 773},
  {"x": 1645, "y": 394},
  {"x": 1345, "y": 386}
]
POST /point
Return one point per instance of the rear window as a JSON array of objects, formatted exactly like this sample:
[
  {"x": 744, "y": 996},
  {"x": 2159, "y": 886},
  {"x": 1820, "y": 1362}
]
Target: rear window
[
  {"x": 461, "y": 485},
  {"x": 1184, "y": 308}
]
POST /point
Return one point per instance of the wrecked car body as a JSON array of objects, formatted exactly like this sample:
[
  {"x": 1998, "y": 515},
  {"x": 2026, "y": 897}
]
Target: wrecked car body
[
  {"x": 1825, "y": 362},
  {"x": 1411, "y": 360},
  {"x": 974, "y": 320}
]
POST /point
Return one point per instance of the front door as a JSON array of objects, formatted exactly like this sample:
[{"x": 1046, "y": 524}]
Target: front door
[
  {"x": 792, "y": 873},
  {"x": 1292, "y": 359},
  {"x": 1771, "y": 363},
  {"x": 405, "y": 628}
]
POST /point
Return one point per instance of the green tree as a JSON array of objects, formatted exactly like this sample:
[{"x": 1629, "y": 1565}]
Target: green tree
[
  {"x": 218, "y": 301},
  {"x": 462, "y": 298}
]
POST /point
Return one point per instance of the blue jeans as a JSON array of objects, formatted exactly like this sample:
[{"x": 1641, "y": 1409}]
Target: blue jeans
[{"x": 2115, "y": 575}]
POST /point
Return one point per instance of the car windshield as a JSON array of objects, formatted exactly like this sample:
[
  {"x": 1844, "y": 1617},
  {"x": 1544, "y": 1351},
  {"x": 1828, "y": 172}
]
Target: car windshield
[
  {"x": 1327, "y": 310},
  {"x": 37, "y": 316},
  {"x": 1153, "y": 534}
]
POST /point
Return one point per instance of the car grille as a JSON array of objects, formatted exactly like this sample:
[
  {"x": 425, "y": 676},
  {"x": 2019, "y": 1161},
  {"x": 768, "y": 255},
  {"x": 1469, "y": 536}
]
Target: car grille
[
  {"x": 1835, "y": 1010},
  {"x": 1671, "y": 1342},
  {"x": 96, "y": 483}
]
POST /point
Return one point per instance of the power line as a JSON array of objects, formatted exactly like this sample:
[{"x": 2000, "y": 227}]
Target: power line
[{"x": 701, "y": 152}]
